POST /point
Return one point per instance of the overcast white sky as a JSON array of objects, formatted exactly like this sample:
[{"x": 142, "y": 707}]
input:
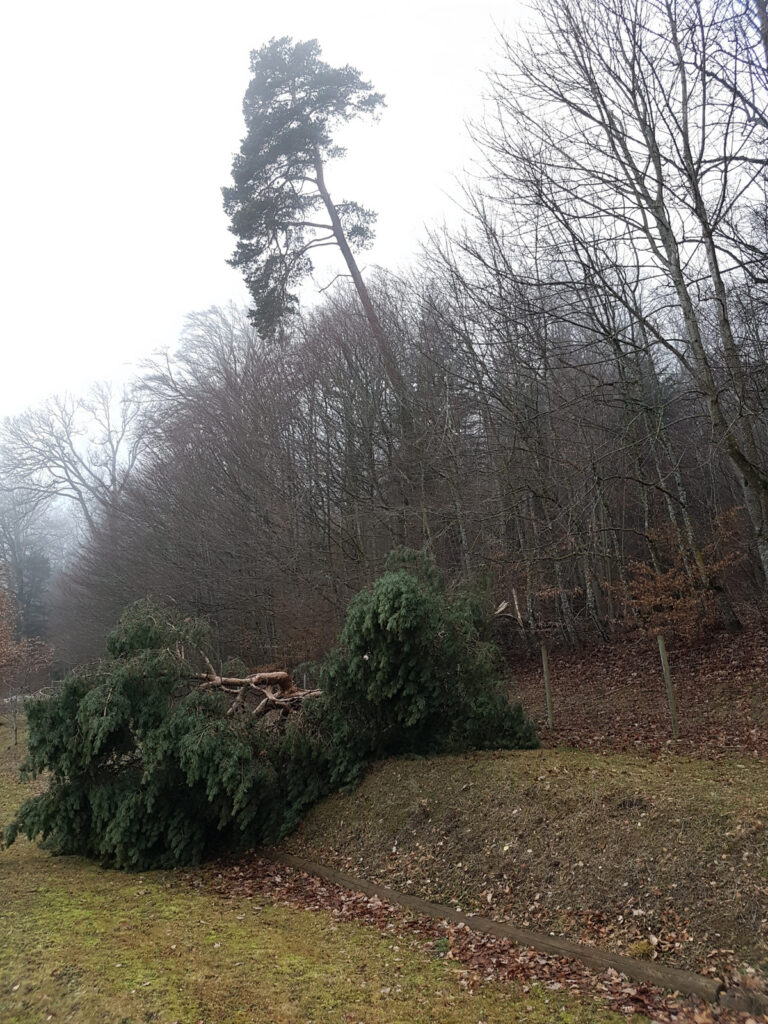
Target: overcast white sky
[{"x": 119, "y": 121}]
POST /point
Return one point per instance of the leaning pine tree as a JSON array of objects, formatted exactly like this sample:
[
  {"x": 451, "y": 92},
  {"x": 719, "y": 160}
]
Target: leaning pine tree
[{"x": 279, "y": 204}]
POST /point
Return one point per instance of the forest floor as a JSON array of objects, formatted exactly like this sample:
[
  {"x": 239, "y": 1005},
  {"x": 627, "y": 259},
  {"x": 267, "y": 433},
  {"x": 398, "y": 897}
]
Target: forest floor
[
  {"x": 612, "y": 834},
  {"x": 612, "y": 697},
  {"x": 90, "y": 946}
]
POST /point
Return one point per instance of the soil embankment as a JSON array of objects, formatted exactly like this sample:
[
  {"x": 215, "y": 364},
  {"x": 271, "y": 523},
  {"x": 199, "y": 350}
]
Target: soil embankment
[{"x": 662, "y": 858}]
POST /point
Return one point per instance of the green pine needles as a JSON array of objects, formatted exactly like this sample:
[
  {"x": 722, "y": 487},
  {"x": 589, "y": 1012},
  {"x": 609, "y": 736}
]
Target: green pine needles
[
  {"x": 415, "y": 676},
  {"x": 148, "y": 770}
]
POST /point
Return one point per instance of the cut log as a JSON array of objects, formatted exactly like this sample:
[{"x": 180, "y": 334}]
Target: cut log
[{"x": 283, "y": 680}]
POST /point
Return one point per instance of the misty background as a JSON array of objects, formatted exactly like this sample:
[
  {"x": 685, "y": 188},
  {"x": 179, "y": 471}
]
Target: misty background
[{"x": 558, "y": 391}]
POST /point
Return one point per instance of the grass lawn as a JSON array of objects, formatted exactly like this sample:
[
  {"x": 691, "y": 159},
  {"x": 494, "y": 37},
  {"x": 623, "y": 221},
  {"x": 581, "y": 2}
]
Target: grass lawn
[{"x": 87, "y": 945}]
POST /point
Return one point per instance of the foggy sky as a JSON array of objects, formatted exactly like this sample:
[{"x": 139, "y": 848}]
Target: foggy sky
[{"x": 119, "y": 123}]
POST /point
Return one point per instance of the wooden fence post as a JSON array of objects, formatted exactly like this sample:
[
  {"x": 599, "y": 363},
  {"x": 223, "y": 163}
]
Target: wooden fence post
[
  {"x": 668, "y": 684},
  {"x": 547, "y": 688}
]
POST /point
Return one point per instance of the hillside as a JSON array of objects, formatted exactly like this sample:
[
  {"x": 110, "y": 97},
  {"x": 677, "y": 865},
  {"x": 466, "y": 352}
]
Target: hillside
[
  {"x": 610, "y": 696},
  {"x": 663, "y": 858}
]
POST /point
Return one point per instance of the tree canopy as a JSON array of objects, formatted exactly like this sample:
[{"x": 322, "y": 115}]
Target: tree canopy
[{"x": 279, "y": 205}]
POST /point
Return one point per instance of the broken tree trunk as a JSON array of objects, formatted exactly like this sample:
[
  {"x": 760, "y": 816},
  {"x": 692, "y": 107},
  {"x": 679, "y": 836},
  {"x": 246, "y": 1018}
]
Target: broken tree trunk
[{"x": 273, "y": 691}]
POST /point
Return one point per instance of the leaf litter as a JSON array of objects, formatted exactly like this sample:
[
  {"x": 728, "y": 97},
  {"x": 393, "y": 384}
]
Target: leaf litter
[{"x": 479, "y": 958}]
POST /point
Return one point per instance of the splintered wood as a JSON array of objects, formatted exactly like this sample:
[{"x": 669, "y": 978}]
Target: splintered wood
[{"x": 272, "y": 691}]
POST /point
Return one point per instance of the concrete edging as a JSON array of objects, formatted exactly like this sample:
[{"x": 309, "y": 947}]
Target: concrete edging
[{"x": 601, "y": 960}]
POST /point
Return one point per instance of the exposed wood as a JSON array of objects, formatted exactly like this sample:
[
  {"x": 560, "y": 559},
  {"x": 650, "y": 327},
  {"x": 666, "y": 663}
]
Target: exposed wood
[
  {"x": 668, "y": 684},
  {"x": 518, "y": 614},
  {"x": 275, "y": 691},
  {"x": 283, "y": 679}
]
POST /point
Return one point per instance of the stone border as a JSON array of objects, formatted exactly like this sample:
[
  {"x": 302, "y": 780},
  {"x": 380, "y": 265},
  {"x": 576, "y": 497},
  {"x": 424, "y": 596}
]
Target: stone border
[{"x": 600, "y": 960}]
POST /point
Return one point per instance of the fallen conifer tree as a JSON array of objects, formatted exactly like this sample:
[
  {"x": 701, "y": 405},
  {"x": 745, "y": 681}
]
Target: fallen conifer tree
[{"x": 156, "y": 759}]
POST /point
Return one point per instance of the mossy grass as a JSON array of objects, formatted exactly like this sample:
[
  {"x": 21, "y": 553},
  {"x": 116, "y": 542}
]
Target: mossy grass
[{"x": 84, "y": 944}]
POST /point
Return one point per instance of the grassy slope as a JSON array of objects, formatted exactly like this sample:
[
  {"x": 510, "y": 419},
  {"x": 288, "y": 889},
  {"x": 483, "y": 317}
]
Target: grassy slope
[
  {"x": 87, "y": 945},
  {"x": 619, "y": 850}
]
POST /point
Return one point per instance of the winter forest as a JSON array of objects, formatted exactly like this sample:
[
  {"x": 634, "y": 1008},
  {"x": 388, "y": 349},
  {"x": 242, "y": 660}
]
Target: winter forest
[
  {"x": 393, "y": 646},
  {"x": 564, "y": 401}
]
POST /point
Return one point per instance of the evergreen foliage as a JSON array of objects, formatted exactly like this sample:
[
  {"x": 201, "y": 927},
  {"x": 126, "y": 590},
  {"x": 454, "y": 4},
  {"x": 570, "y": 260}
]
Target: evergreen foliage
[
  {"x": 294, "y": 103},
  {"x": 148, "y": 769},
  {"x": 416, "y": 675}
]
